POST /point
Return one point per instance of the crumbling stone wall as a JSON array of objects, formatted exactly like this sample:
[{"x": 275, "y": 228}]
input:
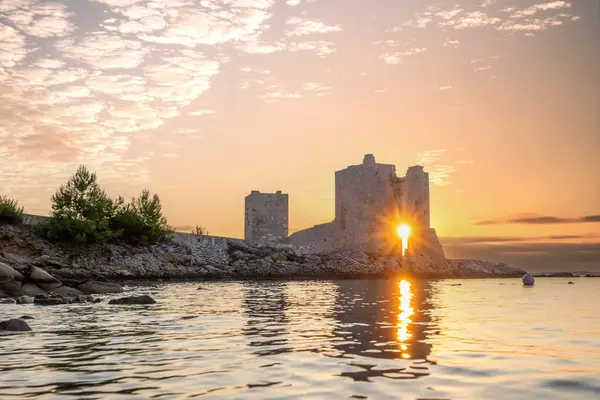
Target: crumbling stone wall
[
  {"x": 319, "y": 238},
  {"x": 266, "y": 218}
]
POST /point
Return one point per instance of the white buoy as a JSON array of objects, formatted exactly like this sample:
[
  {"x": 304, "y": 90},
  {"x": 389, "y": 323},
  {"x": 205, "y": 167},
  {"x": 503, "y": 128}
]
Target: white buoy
[{"x": 528, "y": 280}]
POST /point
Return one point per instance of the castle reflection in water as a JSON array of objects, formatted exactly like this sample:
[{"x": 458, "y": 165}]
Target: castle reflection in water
[{"x": 383, "y": 319}]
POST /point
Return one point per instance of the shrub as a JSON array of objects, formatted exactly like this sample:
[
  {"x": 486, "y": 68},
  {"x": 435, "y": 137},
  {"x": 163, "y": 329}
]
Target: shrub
[
  {"x": 141, "y": 221},
  {"x": 81, "y": 212},
  {"x": 10, "y": 211},
  {"x": 198, "y": 230}
]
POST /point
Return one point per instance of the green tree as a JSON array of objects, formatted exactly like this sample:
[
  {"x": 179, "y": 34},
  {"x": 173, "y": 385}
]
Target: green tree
[
  {"x": 141, "y": 221},
  {"x": 10, "y": 211},
  {"x": 81, "y": 212}
]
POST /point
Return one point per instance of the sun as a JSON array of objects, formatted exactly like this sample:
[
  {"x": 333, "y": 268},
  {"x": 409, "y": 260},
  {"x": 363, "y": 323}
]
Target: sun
[{"x": 404, "y": 231}]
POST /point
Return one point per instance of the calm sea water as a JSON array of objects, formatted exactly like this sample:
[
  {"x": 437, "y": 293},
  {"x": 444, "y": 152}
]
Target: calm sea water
[{"x": 453, "y": 339}]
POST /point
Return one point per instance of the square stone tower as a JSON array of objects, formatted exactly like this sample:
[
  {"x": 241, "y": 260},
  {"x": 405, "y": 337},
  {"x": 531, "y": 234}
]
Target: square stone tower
[{"x": 266, "y": 217}]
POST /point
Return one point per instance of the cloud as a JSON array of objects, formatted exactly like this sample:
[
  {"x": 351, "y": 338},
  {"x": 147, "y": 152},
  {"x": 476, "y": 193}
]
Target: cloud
[
  {"x": 475, "y": 19},
  {"x": 452, "y": 43},
  {"x": 529, "y": 11},
  {"x": 41, "y": 20},
  {"x": 487, "y": 3},
  {"x": 12, "y": 46},
  {"x": 480, "y": 240},
  {"x": 321, "y": 48},
  {"x": 540, "y": 220},
  {"x": 200, "y": 113},
  {"x": 104, "y": 51},
  {"x": 523, "y": 20},
  {"x": 440, "y": 171},
  {"x": 301, "y": 27},
  {"x": 317, "y": 88},
  {"x": 530, "y": 25},
  {"x": 397, "y": 57},
  {"x": 534, "y": 257}
]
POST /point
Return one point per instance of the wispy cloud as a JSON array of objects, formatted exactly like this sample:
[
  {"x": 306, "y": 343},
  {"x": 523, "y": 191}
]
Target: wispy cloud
[
  {"x": 397, "y": 57},
  {"x": 452, "y": 43},
  {"x": 524, "y": 20},
  {"x": 200, "y": 113},
  {"x": 300, "y": 27},
  {"x": 540, "y": 220},
  {"x": 534, "y": 9},
  {"x": 482, "y": 240},
  {"x": 549, "y": 256}
]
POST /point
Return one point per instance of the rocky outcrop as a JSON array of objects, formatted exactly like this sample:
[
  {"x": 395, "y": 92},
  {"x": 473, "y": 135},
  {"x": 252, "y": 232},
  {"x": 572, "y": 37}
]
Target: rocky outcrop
[
  {"x": 10, "y": 279},
  {"x": 190, "y": 258},
  {"x": 93, "y": 287},
  {"x": 52, "y": 299},
  {"x": 14, "y": 325},
  {"x": 42, "y": 279},
  {"x": 32, "y": 282},
  {"x": 466, "y": 268},
  {"x": 143, "y": 299},
  {"x": 29, "y": 289},
  {"x": 25, "y": 300}
]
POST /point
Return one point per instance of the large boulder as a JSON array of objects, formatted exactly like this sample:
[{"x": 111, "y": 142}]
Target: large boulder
[
  {"x": 11, "y": 280},
  {"x": 43, "y": 279},
  {"x": 143, "y": 299},
  {"x": 15, "y": 325},
  {"x": 93, "y": 287},
  {"x": 53, "y": 299},
  {"x": 25, "y": 300},
  {"x": 8, "y": 301},
  {"x": 66, "y": 290},
  {"x": 29, "y": 289}
]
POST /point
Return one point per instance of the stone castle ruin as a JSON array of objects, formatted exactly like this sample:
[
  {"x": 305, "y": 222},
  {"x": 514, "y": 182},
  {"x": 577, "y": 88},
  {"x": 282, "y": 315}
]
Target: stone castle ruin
[
  {"x": 266, "y": 219},
  {"x": 371, "y": 201}
]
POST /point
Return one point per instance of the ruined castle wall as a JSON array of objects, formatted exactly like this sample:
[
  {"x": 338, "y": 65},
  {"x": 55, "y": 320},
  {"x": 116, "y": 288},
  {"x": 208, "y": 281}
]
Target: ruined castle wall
[
  {"x": 429, "y": 247},
  {"x": 266, "y": 219},
  {"x": 318, "y": 238},
  {"x": 363, "y": 192},
  {"x": 417, "y": 195}
]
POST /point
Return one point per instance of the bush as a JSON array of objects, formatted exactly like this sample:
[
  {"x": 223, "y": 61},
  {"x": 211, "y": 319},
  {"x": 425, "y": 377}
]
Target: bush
[
  {"x": 198, "y": 230},
  {"x": 10, "y": 212},
  {"x": 141, "y": 221},
  {"x": 81, "y": 212}
]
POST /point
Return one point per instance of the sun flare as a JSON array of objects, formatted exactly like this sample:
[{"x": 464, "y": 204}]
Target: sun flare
[{"x": 404, "y": 233}]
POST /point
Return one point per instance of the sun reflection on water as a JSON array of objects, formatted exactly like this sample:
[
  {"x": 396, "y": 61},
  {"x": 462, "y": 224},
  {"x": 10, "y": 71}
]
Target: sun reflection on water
[{"x": 404, "y": 321}]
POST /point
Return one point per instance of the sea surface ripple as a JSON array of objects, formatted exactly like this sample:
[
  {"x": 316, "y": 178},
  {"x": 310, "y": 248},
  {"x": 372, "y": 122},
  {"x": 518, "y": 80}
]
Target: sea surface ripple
[{"x": 369, "y": 339}]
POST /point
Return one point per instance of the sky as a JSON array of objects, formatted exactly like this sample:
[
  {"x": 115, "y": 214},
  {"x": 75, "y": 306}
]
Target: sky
[{"x": 204, "y": 101}]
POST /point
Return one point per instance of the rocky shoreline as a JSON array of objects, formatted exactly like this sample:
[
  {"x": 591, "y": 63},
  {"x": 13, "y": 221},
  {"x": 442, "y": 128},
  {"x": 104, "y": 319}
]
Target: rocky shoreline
[{"x": 192, "y": 258}]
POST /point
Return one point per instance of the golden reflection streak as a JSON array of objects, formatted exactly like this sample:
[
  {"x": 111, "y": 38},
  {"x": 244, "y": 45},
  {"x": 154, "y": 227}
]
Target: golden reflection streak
[{"x": 404, "y": 321}]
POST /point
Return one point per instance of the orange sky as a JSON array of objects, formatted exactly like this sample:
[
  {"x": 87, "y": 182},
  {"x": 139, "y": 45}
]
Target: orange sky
[{"x": 203, "y": 103}]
